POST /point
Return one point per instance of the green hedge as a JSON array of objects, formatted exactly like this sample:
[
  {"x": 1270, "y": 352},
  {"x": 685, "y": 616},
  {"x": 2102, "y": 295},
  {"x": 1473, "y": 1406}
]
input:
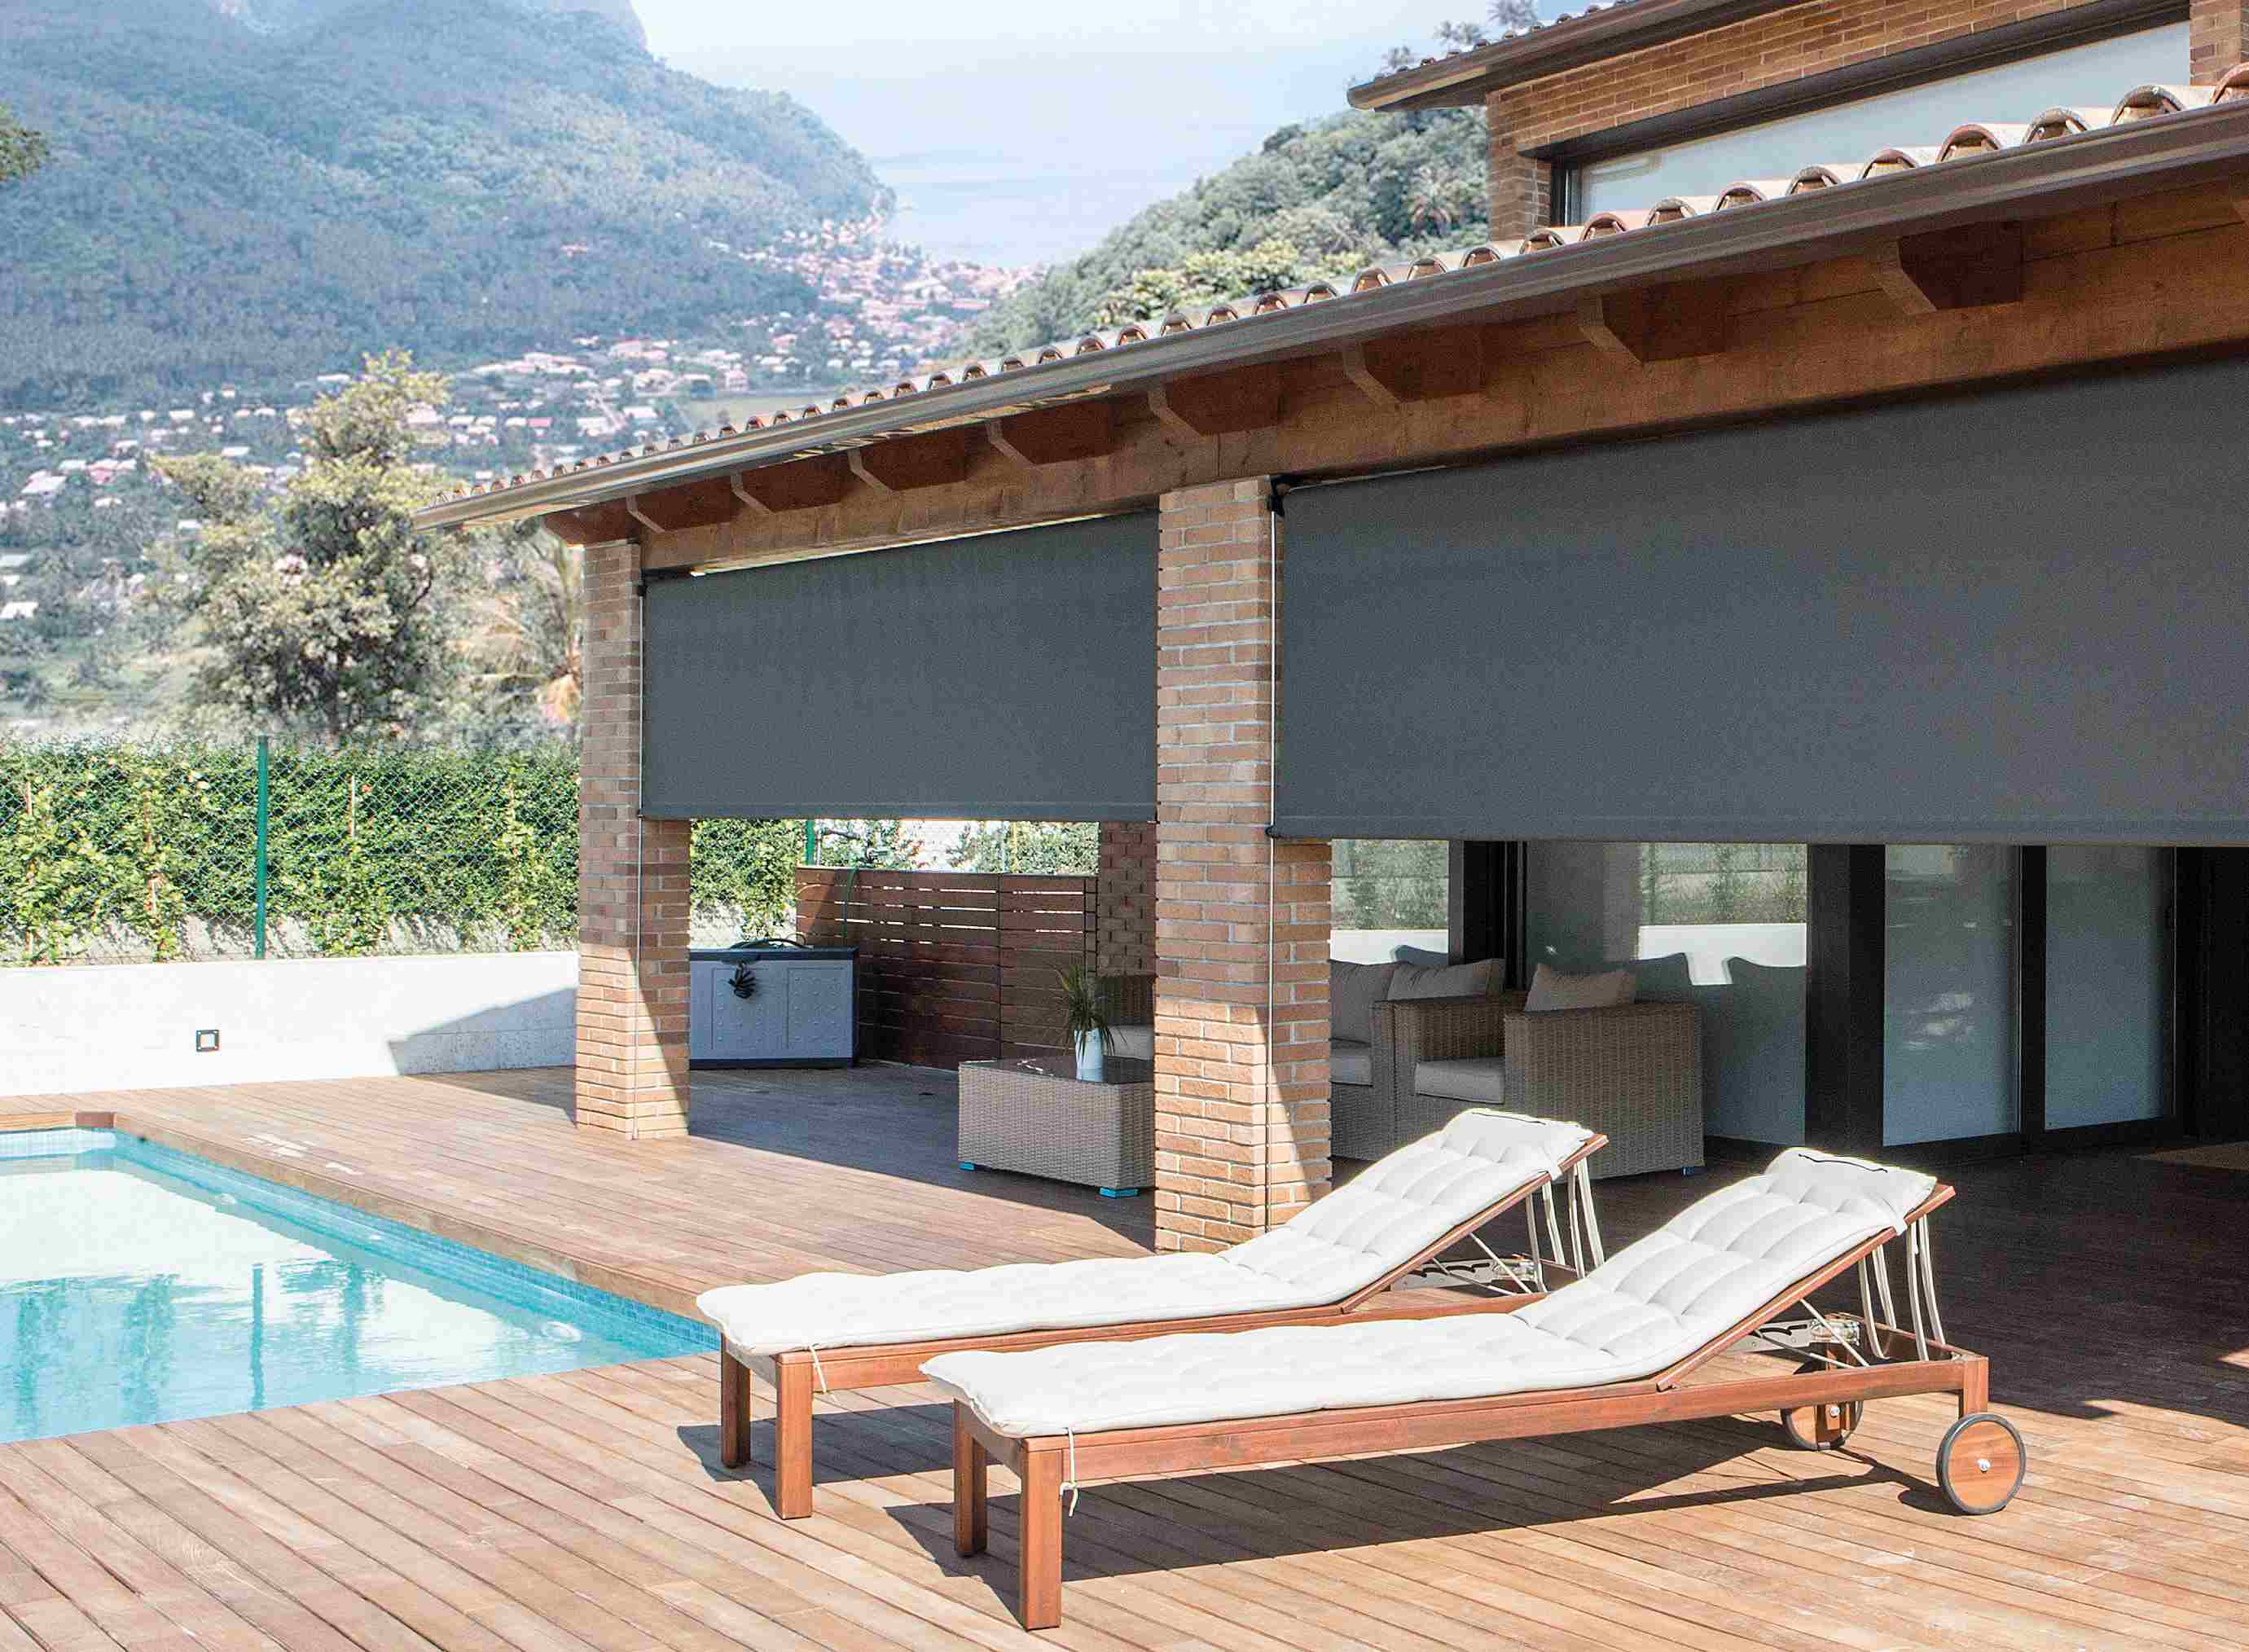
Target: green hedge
[{"x": 116, "y": 850}]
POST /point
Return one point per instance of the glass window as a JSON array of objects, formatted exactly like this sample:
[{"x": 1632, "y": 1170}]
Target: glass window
[
  {"x": 1948, "y": 1046},
  {"x": 1388, "y": 894},
  {"x": 2107, "y": 976},
  {"x": 2093, "y": 75},
  {"x": 1721, "y": 926}
]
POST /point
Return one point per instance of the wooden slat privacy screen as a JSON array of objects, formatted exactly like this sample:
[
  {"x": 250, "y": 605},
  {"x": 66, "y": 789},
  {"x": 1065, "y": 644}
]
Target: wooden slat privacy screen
[{"x": 953, "y": 966}]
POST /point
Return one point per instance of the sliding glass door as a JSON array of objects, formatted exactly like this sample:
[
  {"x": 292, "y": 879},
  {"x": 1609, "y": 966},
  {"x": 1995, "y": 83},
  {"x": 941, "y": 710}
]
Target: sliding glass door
[{"x": 2108, "y": 977}]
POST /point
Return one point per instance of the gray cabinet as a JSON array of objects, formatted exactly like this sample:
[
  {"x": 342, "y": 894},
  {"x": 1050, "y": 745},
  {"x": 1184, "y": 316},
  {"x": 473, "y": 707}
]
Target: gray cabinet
[{"x": 799, "y": 1015}]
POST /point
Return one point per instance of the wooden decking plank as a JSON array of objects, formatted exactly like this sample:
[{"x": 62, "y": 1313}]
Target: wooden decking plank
[
  {"x": 734, "y": 1549},
  {"x": 252, "y": 1553},
  {"x": 157, "y": 1579},
  {"x": 427, "y": 1594}
]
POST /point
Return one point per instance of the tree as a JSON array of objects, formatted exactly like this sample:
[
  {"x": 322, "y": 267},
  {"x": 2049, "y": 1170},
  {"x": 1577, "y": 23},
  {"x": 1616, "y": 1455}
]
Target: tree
[
  {"x": 22, "y": 150},
  {"x": 530, "y": 629},
  {"x": 1270, "y": 266},
  {"x": 1506, "y": 17},
  {"x": 1029, "y": 846},
  {"x": 326, "y": 608}
]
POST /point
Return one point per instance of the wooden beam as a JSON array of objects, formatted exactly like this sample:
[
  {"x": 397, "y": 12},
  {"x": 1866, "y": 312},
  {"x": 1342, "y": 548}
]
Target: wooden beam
[
  {"x": 756, "y": 505},
  {"x": 1074, "y": 430},
  {"x": 908, "y": 462},
  {"x": 1220, "y": 403},
  {"x": 1674, "y": 323},
  {"x": 1970, "y": 267},
  {"x": 801, "y": 484},
  {"x": 1418, "y": 367},
  {"x": 1797, "y": 339},
  {"x": 594, "y": 525},
  {"x": 633, "y": 509},
  {"x": 2241, "y": 206}
]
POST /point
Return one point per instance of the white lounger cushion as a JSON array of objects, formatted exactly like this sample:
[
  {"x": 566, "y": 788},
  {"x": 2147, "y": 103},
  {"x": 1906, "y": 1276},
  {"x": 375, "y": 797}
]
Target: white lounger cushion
[
  {"x": 1386, "y": 1215},
  {"x": 1648, "y": 1307}
]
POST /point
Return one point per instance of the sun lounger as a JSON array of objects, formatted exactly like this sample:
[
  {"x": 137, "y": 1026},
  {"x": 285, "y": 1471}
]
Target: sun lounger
[
  {"x": 1609, "y": 1350},
  {"x": 831, "y": 1331}
]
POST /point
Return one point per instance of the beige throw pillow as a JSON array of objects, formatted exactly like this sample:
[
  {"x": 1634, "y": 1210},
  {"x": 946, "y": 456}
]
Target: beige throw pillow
[
  {"x": 1354, "y": 991},
  {"x": 1552, "y": 989},
  {"x": 1446, "y": 981}
]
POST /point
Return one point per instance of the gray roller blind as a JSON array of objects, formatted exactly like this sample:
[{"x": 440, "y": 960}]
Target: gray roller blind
[
  {"x": 1005, "y": 677},
  {"x": 2017, "y": 616}
]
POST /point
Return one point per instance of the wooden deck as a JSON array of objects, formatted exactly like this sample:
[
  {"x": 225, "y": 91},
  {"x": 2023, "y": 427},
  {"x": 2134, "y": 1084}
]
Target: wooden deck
[{"x": 589, "y": 1510}]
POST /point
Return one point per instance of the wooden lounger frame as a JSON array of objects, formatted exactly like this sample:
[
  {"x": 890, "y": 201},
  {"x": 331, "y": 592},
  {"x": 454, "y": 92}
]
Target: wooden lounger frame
[
  {"x": 1042, "y": 1463},
  {"x": 796, "y": 1374}
]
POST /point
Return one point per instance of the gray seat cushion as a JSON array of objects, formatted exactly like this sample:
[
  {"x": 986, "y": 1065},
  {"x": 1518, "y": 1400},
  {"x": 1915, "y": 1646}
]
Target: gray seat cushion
[
  {"x": 1140, "y": 1042},
  {"x": 1349, "y": 1061},
  {"x": 1476, "y": 1079}
]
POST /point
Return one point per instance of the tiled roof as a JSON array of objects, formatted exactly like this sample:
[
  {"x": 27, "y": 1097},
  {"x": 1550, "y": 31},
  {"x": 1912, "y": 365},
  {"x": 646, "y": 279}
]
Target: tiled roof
[{"x": 1971, "y": 139}]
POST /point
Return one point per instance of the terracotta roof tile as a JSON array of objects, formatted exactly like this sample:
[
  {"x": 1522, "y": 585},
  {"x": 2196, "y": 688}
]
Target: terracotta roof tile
[{"x": 1964, "y": 143}]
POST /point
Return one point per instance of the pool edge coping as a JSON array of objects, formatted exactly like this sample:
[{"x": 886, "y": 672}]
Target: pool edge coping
[{"x": 618, "y": 1282}]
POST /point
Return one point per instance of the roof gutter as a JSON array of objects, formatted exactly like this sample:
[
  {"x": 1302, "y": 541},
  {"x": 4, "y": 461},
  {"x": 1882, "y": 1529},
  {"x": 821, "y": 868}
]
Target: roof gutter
[
  {"x": 1464, "y": 78},
  {"x": 2092, "y": 169}
]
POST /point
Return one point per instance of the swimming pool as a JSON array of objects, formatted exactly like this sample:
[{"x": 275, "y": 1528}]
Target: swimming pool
[{"x": 138, "y": 1285}]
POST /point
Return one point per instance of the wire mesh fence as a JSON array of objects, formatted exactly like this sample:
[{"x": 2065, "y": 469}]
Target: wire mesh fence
[{"x": 115, "y": 853}]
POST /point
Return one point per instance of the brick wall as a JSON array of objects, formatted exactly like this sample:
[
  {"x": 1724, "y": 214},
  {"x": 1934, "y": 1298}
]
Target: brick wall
[
  {"x": 1242, "y": 921},
  {"x": 632, "y": 886},
  {"x": 1125, "y": 899},
  {"x": 1780, "y": 47},
  {"x": 1521, "y": 188},
  {"x": 2217, "y": 36}
]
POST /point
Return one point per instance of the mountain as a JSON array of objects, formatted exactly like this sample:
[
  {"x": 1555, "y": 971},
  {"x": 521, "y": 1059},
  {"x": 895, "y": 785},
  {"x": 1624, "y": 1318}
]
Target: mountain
[
  {"x": 258, "y": 194},
  {"x": 279, "y": 16},
  {"x": 1318, "y": 201}
]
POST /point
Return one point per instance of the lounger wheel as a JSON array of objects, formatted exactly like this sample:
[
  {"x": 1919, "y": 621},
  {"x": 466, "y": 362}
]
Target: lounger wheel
[
  {"x": 1821, "y": 1427},
  {"x": 1979, "y": 1463}
]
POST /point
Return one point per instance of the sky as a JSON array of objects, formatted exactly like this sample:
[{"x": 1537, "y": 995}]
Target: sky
[{"x": 1019, "y": 131}]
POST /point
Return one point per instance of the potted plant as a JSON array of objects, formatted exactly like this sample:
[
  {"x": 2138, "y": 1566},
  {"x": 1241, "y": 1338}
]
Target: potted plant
[{"x": 1089, "y": 1021}]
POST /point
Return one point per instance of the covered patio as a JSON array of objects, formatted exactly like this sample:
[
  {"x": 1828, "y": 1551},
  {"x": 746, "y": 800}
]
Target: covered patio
[{"x": 590, "y": 1510}]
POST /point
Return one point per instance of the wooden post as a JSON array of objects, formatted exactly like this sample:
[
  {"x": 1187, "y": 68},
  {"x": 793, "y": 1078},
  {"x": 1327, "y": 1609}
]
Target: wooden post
[
  {"x": 1038, "y": 1579},
  {"x": 792, "y": 1438},
  {"x": 734, "y": 1448},
  {"x": 972, "y": 1475},
  {"x": 1975, "y": 1384}
]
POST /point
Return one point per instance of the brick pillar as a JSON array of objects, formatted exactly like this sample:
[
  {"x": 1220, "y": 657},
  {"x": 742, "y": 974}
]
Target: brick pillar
[
  {"x": 1242, "y": 920},
  {"x": 632, "y": 886},
  {"x": 1522, "y": 189},
  {"x": 2218, "y": 39},
  {"x": 1125, "y": 899}
]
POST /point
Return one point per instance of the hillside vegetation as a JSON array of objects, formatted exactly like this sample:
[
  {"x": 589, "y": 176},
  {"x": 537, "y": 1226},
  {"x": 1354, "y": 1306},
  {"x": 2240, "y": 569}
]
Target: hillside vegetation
[
  {"x": 231, "y": 203},
  {"x": 1316, "y": 202}
]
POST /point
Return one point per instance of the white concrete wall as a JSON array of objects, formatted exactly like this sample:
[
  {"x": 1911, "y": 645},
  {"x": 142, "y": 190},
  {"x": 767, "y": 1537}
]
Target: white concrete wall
[{"x": 133, "y": 1026}]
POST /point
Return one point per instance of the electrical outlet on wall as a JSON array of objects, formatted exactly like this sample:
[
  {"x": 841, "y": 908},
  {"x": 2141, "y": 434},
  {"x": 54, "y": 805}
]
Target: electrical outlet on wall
[{"x": 206, "y": 1040}]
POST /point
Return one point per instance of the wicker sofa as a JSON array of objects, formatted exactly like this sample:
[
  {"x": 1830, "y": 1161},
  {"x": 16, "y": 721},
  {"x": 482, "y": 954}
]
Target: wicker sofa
[{"x": 1633, "y": 1071}]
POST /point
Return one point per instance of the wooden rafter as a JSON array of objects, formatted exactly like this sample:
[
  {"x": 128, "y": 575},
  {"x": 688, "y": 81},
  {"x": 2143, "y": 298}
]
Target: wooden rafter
[
  {"x": 1074, "y": 431},
  {"x": 1969, "y": 267},
  {"x": 1418, "y": 367},
  {"x": 801, "y": 484},
  {"x": 913, "y": 461},
  {"x": 1220, "y": 403},
  {"x": 1673, "y": 323}
]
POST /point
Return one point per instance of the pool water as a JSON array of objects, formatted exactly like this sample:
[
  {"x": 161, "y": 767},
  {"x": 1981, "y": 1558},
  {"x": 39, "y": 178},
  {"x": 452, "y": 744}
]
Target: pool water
[{"x": 138, "y": 1285}]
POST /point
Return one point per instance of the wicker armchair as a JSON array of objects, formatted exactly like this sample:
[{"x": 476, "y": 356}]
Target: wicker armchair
[
  {"x": 1633, "y": 1072},
  {"x": 1366, "y": 1121}
]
